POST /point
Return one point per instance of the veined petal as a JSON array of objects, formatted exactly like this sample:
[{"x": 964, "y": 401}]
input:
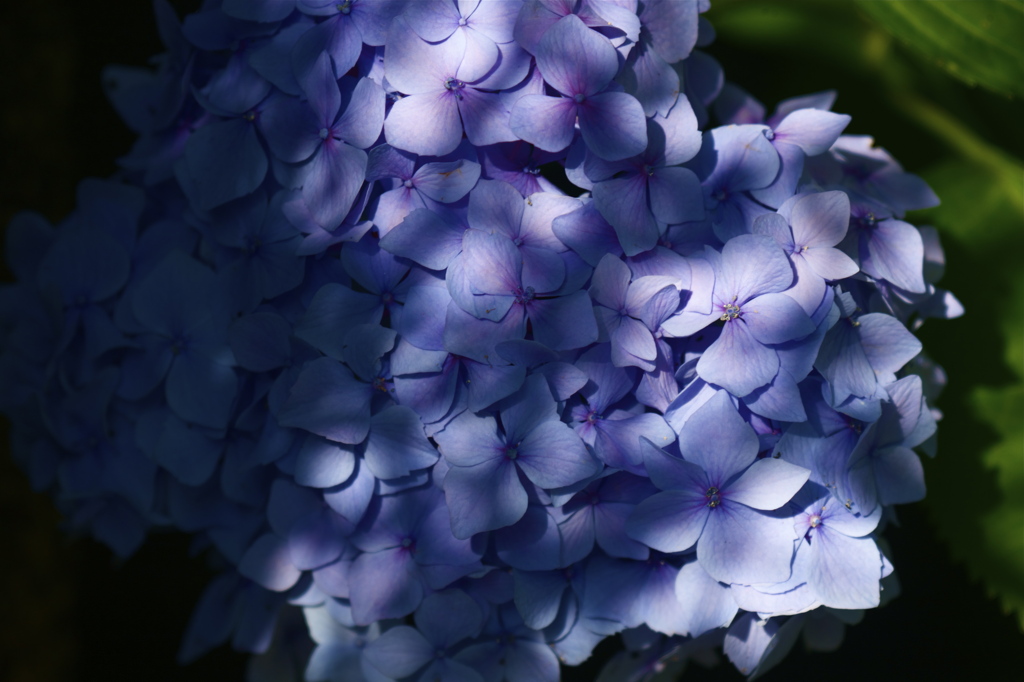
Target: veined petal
[{"x": 768, "y": 484}]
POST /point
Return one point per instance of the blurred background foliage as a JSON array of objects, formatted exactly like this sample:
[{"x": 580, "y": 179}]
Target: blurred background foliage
[{"x": 936, "y": 82}]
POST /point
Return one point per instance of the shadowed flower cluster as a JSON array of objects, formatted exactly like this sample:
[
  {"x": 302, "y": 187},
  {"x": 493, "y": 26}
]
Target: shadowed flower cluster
[{"x": 479, "y": 331}]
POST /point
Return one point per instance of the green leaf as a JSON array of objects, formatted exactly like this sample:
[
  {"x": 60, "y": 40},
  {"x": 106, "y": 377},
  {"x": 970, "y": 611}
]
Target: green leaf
[{"x": 979, "y": 42}]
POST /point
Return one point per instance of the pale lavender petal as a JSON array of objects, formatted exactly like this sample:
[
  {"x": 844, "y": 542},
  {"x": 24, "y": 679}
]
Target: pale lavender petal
[
  {"x": 828, "y": 263},
  {"x": 717, "y": 439},
  {"x": 820, "y": 219},
  {"x": 670, "y": 521},
  {"x": 493, "y": 264},
  {"x": 845, "y": 571},
  {"x": 333, "y": 178},
  {"x": 400, "y": 651},
  {"x": 576, "y": 60},
  {"x": 887, "y": 344},
  {"x": 470, "y": 440},
  {"x": 767, "y": 484},
  {"x": 813, "y": 130},
  {"x": 427, "y": 124},
  {"x": 496, "y": 206},
  {"x": 613, "y": 125},
  {"x": 413, "y": 66},
  {"x": 425, "y": 238},
  {"x": 485, "y": 118},
  {"x": 776, "y": 318},
  {"x": 897, "y": 254},
  {"x": 737, "y": 361},
  {"x": 675, "y": 195},
  {"x": 752, "y": 265},
  {"x": 609, "y": 283},
  {"x": 396, "y": 445},
  {"x": 623, "y": 203},
  {"x": 707, "y": 603},
  {"x": 553, "y": 456},
  {"x": 545, "y": 122},
  {"x": 361, "y": 123},
  {"x": 328, "y": 401},
  {"x": 384, "y": 584},
  {"x": 447, "y": 181},
  {"x": 266, "y": 563},
  {"x": 741, "y": 545}
]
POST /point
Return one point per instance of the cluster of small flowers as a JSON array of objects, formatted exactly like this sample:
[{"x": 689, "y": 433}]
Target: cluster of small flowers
[{"x": 336, "y": 320}]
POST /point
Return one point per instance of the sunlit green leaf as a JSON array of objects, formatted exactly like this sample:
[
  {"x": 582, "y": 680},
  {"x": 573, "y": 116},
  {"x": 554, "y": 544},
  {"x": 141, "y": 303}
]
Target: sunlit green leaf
[{"x": 978, "y": 41}]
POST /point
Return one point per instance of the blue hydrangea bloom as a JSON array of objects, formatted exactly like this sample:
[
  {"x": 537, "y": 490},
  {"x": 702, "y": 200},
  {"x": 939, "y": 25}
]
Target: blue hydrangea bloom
[{"x": 480, "y": 331}]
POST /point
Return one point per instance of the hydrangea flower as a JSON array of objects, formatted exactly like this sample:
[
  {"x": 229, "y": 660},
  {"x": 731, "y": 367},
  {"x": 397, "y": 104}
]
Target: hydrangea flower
[{"x": 480, "y": 331}]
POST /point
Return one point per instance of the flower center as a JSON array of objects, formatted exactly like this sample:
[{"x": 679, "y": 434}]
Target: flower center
[
  {"x": 579, "y": 98},
  {"x": 714, "y": 499},
  {"x": 730, "y": 311},
  {"x": 454, "y": 85},
  {"x": 344, "y": 7},
  {"x": 511, "y": 452},
  {"x": 525, "y": 295},
  {"x": 815, "y": 520},
  {"x": 769, "y": 133}
]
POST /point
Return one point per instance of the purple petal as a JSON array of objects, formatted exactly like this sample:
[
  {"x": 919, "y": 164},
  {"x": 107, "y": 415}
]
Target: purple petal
[
  {"x": 813, "y": 130},
  {"x": 475, "y": 338},
  {"x": 707, "y": 603},
  {"x": 397, "y": 445},
  {"x": 740, "y": 545},
  {"x": 576, "y": 60},
  {"x": 737, "y": 361},
  {"x": 897, "y": 255},
  {"x": 332, "y": 180},
  {"x": 201, "y": 390},
  {"x": 613, "y": 125},
  {"x": 400, "y": 651},
  {"x": 553, "y": 456},
  {"x": 717, "y": 439},
  {"x": 820, "y": 219},
  {"x": 328, "y": 401},
  {"x": 675, "y": 195},
  {"x": 609, "y": 283},
  {"x": 845, "y": 571},
  {"x": 484, "y": 497},
  {"x": 545, "y": 122},
  {"x": 670, "y": 521},
  {"x": 828, "y": 263},
  {"x": 470, "y": 440},
  {"x": 427, "y": 124},
  {"x": 413, "y": 66},
  {"x": 485, "y": 117},
  {"x": 384, "y": 584},
  {"x": 447, "y": 181},
  {"x": 752, "y": 265},
  {"x": 496, "y": 206},
  {"x": 768, "y": 484},
  {"x": 317, "y": 540},
  {"x": 776, "y": 318},
  {"x": 323, "y": 464},
  {"x": 320, "y": 86},
  {"x": 424, "y": 238},
  {"x": 266, "y": 563},
  {"x": 361, "y": 123},
  {"x": 564, "y": 323},
  {"x": 887, "y": 344},
  {"x": 623, "y": 203}
]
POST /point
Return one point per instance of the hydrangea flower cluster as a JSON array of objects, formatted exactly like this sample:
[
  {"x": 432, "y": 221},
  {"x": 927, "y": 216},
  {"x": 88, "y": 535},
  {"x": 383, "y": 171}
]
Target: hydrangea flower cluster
[{"x": 458, "y": 326}]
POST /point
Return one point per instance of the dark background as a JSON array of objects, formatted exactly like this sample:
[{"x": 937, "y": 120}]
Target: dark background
[{"x": 70, "y": 611}]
